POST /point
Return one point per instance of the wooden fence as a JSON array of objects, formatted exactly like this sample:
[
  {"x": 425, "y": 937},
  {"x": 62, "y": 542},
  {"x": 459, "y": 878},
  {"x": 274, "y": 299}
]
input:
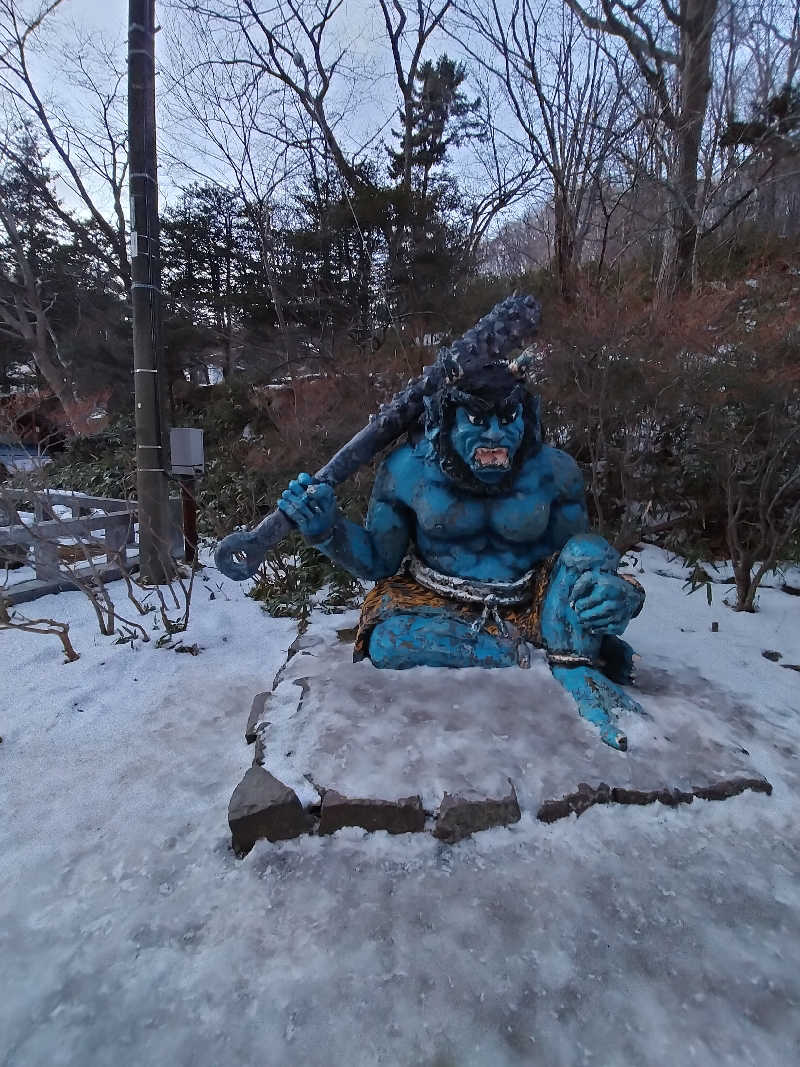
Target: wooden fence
[{"x": 111, "y": 533}]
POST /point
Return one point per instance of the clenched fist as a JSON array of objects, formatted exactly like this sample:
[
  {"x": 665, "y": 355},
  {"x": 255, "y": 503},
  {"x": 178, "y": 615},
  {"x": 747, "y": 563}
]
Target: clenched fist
[
  {"x": 311, "y": 506},
  {"x": 605, "y": 603}
]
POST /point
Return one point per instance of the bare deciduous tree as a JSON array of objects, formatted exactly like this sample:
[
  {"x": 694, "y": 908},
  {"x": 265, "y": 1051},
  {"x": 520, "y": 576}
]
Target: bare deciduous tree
[
  {"x": 670, "y": 45},
  {"x": 51, "y": 143},
  {"x": 762, "y": 493},
  {"x": 86, "y": 138},
  {"x": 306, "y": 50},
  {"x": 24, "y": 315},
  {"x": 568, "y": 105},
  {"x": 243, "y": 130}
]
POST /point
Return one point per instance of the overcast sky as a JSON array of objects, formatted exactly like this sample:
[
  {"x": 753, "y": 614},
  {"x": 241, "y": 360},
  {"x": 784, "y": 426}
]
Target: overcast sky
[
  {"x": 111, "y": 16},
  {"x": 357, "y": 23}
]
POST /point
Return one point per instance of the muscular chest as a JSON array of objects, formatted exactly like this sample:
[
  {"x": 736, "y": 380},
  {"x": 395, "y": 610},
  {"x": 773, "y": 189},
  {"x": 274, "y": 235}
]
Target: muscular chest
[{"x": 517, "y": 518}]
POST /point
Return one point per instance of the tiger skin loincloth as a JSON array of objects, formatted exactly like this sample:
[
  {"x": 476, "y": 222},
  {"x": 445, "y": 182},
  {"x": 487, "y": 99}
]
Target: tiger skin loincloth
[{"x": 471, "y": 603}]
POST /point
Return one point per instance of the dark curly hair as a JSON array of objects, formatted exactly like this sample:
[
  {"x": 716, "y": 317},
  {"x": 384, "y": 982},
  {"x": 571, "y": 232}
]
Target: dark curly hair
[{"x": 487, "y": 387}]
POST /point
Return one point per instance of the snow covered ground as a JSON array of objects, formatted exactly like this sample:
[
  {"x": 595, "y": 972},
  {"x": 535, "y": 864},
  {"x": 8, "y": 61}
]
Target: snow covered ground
[{"x": 129, "y": 933}]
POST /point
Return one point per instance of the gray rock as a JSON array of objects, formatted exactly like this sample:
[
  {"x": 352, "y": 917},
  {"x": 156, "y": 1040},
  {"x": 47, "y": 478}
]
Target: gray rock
[
  {"x": 260, "y": 749},
  {"x": 586, "y": 796},
  {"x": 255, "y": 717},
  {"x": 462, "y": 814},
  {"x": 732, "y": 788},
  {"x": 263, "y": 807},
  {"x": 403, "y": 816}
]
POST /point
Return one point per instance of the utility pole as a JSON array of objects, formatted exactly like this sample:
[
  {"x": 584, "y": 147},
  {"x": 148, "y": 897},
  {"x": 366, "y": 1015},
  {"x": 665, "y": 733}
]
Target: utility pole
[{"x": 151, "y": 477}]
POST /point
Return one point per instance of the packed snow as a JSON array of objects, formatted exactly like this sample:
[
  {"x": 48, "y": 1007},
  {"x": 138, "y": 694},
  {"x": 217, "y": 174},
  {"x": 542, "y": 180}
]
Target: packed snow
[{"x": 130, "y": 934}]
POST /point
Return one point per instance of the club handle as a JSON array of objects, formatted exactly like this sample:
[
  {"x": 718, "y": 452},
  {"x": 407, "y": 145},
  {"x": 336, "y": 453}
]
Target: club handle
[{"x": 252, "y": 544}]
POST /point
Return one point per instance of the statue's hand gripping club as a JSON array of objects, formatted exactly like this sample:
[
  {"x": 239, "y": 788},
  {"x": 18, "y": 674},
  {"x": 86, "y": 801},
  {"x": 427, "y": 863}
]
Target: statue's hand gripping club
[{"x": 311, "y": 506}]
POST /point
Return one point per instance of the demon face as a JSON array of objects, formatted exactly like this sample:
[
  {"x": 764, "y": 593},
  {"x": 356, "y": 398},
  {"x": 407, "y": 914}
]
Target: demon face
[{"x": 483, "y": 428}]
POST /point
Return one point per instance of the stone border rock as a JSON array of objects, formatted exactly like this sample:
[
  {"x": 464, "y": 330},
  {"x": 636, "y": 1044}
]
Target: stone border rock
[
  {"x": 460, "y": 815},
  {"x": 256, "y": 717},
  {"x": 586, "y": 796},
  {"x": 263, "y": 807},
  {"x": 404, "y": 816}
]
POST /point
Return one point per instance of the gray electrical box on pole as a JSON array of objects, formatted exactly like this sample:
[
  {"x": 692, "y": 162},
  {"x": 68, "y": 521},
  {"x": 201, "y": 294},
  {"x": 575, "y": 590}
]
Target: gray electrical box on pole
[
  {"x": 186, "y": 450},
  {"x": 151, "y": 477}
]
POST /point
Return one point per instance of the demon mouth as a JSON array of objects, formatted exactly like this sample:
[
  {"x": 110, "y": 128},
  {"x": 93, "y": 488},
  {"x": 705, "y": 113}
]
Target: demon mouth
[{"x": 491, "y": 457}]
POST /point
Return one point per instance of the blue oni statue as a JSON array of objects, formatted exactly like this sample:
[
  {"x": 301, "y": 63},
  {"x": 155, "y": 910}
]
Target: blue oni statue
[{"x": 478, "y": 540}]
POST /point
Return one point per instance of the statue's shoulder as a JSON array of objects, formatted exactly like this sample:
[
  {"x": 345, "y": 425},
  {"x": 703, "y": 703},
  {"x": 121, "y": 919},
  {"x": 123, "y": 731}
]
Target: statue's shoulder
[
  {"x": 566, "y": 474},
  {"x": 402, "y": 460},
  {"x": 400, "y": 471},
  {"x": 551, "y": 465}
]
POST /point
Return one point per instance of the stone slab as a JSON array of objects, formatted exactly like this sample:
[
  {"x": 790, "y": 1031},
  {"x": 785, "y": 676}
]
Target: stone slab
[{"x": 364, "y": 732}]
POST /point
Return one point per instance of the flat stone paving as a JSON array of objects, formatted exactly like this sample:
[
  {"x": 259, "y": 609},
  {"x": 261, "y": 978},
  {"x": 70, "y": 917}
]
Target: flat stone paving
[{"x": 330, "y": 724}]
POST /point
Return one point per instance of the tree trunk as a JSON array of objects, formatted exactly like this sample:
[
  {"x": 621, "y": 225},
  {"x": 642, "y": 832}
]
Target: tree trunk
[
  {"x": 227, "y": 316},
  {"x": 564, "y": 247},
  {"x": 277, "y": 300},
  {"x": 24, "y": 313},
  {"x": 35, "y": 333},
  {"x": 696, "y": 30},
  {"x": 58, "y": 379},
  {"x": 745, "y": 587}
]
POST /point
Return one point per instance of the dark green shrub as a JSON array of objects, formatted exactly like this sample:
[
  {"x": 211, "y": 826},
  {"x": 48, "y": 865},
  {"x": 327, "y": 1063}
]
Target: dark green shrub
[
  {"x": 104, "y": 465},
  {"x": 290, "y": 578}
]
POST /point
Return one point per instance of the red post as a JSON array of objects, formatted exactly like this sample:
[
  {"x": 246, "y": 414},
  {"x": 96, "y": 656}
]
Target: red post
[{"x": 189, "y": 499}]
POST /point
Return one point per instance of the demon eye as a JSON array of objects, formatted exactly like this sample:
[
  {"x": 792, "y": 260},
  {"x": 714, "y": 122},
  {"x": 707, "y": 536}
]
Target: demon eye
[
  {"x": 506, "y": 419},
  {"x": 476, "y": 420}
]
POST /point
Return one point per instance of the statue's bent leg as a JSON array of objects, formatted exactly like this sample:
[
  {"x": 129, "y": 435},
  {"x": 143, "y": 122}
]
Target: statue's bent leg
[
  {"x": 616, "y": 656},
  {"x": 598, "y": 698},
  {"x": 407, "y": 640}
]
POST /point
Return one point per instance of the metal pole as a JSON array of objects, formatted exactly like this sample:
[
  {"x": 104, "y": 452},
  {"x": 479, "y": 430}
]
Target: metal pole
[{"x": 151, "y": 478}]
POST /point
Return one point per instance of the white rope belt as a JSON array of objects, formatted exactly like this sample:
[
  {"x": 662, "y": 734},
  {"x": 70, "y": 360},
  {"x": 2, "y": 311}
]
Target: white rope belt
[
  {"x": 491, "y": 596},
  {"x": 469, "y": 590}
]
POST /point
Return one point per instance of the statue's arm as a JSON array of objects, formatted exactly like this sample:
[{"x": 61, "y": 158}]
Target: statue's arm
[
  {"x": 568, "y": 514},
  {"x": 372, "y": 551},
  {"x": 604, "y": 601}
]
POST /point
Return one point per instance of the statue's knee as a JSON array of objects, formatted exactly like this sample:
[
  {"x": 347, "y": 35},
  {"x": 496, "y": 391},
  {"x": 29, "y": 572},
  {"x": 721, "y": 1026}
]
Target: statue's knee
[
  {"x": 398, "y": 642},
  {"x": 587, "y": 551},
  {"x": 382, "y": 648}
]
